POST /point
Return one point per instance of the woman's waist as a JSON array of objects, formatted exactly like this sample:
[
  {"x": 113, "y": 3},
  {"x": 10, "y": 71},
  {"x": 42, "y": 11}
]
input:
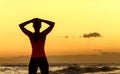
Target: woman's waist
[{"x": 38, "y": 54}]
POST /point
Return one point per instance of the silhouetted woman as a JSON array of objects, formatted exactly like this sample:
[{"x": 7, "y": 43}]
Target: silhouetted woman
[{"x": 37, "y": 39}]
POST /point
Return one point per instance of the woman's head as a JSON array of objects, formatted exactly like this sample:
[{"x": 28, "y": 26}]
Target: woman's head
[{"x": 36, "y": 25}]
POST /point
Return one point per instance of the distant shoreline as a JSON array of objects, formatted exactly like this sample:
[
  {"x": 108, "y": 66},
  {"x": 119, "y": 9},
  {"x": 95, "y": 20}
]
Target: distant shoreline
[{"x": 63, "y": 64}]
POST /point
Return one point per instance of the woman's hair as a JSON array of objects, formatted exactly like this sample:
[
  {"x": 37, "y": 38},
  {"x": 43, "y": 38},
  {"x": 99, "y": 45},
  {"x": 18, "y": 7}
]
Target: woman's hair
[
  {"x": 36, "y": 24},
  {"x": 36, "y": 37}
]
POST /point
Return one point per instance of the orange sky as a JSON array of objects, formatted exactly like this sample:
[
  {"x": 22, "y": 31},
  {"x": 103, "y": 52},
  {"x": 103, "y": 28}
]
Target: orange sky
[{"x": 73, "y": 18}]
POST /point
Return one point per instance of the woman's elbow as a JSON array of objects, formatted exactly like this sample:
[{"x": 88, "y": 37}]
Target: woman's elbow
[
  {"x": 20, "y": 25},
  {"x": 53, "y": 23}
]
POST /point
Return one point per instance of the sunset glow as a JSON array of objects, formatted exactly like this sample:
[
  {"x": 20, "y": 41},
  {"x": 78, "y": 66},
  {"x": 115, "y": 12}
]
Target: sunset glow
[{"x": 73, "y": 18}]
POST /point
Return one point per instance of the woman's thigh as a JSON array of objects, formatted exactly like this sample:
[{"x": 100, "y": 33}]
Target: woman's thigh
[
  {"x": 44, "y": 67},
  {"x": 33, "y": 66}
]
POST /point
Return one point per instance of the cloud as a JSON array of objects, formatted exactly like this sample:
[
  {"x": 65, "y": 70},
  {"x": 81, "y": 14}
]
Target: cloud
[
  {"x": 66, "y": 36},
  {"x": 94, "y": 34}
]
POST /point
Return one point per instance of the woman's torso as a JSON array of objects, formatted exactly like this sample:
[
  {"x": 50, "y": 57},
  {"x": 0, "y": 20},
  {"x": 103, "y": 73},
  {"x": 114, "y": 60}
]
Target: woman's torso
[{"x": 38, "y": 42}]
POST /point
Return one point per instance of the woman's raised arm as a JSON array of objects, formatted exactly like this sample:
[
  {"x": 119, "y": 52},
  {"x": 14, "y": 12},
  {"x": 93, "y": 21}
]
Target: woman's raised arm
[
  {"x": 51, "y": 25},
  {"x": 22, "y": 27}
]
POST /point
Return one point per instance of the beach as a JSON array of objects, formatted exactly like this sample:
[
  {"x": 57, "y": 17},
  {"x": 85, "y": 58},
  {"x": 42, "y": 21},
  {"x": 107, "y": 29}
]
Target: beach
[{"x": 65, "y": 69}]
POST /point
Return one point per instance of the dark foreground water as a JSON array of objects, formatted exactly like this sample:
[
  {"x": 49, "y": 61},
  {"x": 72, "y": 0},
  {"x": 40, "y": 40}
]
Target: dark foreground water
[{"x": 64, "y": 69}]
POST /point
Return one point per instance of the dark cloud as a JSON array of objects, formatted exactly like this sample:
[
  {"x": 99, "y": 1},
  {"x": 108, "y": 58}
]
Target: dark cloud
[
  {"x": 66, "y": 36},
  {"x": 94, "y": 34}
]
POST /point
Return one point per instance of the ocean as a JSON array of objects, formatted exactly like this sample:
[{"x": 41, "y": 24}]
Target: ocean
[{"x": 64, "y": 69}]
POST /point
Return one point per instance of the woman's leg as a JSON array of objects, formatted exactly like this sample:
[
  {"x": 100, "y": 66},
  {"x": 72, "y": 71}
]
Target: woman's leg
[
  {"x": 33, "y": 66},
  {"x": 44, "y": 67}
]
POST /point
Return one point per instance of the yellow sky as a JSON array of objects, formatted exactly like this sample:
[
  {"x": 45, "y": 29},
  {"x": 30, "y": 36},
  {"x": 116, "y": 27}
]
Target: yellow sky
[{"x": 73, "y": 18}]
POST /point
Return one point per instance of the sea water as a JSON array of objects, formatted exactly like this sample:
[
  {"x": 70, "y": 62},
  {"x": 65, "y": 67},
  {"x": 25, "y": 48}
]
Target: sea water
[{"x": 23, "y": 69}]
